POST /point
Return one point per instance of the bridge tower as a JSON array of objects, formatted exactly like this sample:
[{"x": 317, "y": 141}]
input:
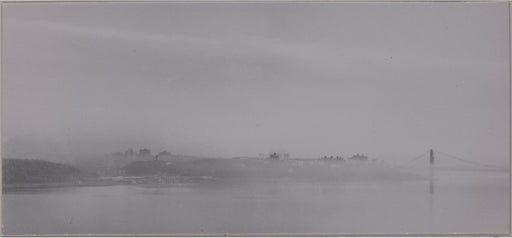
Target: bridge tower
[{"x": 431, "y": 171}]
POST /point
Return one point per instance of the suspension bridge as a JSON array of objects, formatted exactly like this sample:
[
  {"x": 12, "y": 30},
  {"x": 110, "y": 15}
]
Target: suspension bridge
[{"x": 431, "y": 156}]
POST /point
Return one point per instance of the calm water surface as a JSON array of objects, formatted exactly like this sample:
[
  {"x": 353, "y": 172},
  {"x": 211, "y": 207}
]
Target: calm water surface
[{"x": 463, "y": 202}]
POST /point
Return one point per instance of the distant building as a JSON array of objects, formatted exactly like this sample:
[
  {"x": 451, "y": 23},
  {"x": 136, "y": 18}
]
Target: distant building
[
  {"x": 274, "y": 156},
  {"x": 129, "y": 155},
  {"x": 333, "y": 158},
  {"x": 123, "y": 158},
  {"x": 278, "y": 155},
  {"x": 359, "y": 157},
  {"x": 118, "y": 159},
  {"x": 144, "y": 154},
  {"x": 164, "y": 155}
]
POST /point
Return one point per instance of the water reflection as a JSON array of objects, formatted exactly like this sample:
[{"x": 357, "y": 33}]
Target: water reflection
[{"x": 478, "y": 206}]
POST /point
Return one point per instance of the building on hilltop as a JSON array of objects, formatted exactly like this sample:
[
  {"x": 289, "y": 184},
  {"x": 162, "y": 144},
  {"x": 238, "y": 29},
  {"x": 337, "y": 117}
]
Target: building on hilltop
[
  {"x": 359, "y": 157},
  {"x": 123, "y": 158},
  {"x": 274, "y": 156},
  {"x": 144, "y": 154},
  {"x": 129, "y": 155},
  {"x": 118, "y": 159},
  {"x": 340, "y": 158},
  {"x": 279, "y": 155},
  {"x": 163, "y": 155}
]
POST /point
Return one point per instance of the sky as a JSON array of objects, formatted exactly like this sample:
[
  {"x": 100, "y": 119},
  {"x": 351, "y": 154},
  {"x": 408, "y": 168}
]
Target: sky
[{"x": 390, "y": 80}]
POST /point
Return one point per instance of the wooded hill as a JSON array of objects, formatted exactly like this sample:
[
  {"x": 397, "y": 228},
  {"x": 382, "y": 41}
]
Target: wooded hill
[{"x": 23, "y": 171}]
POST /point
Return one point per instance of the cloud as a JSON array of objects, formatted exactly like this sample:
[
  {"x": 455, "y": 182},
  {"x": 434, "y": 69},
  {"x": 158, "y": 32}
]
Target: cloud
[{"x": 317, "y": 59}]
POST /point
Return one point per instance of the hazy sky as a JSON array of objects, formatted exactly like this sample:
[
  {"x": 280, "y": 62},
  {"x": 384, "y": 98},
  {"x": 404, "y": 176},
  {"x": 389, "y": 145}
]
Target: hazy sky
[{"x": 222, "y": 79}]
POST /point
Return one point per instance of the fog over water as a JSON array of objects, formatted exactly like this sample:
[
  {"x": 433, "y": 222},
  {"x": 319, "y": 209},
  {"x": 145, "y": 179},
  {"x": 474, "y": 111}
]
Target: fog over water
[{"x": 227, "y": 79}]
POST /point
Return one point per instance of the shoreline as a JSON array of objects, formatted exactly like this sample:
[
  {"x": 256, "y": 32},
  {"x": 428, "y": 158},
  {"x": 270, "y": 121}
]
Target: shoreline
[{"x": 110, "y": 181}]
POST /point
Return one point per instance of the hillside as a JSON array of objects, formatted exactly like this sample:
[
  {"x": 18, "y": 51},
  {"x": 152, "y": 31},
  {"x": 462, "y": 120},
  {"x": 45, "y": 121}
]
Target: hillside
[
  {"x": 24, "y": 171},
  {"x": 150, "y": 167},
  {"x": 240, "y": 169}
]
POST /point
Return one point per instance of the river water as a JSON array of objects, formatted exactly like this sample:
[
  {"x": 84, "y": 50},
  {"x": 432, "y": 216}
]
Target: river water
[{"x": 472, "y": 202}]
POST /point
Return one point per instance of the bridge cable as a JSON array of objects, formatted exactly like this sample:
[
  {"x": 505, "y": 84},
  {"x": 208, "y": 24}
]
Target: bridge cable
[
  {"x": 468, "y": 161},
  {"x": 409, "y": 162}
]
